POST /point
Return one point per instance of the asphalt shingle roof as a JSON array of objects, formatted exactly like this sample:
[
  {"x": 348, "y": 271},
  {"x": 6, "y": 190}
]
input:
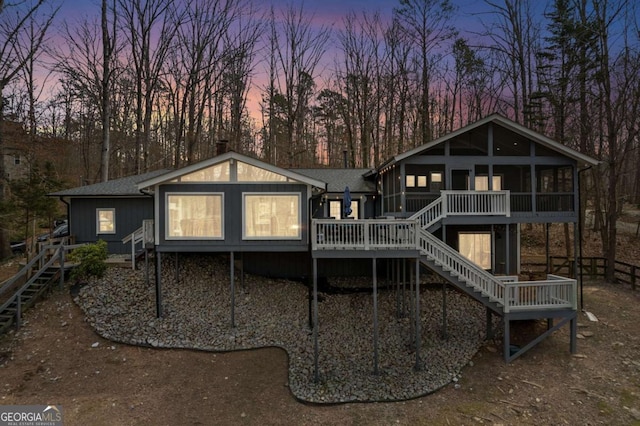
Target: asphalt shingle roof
[
  {"x": 127, "y": 186},
  {"x": 338, "y": 179}
]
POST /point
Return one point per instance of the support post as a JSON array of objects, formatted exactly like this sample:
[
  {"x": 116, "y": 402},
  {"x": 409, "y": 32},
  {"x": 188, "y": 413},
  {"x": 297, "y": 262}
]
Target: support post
[
  {"x": 158, "y": 285},
  {"x": 444, "y": 311},
  {"x": 573, "y": 346},
  {"x": 242, "y": 270},
  {"x": 418, "y": 365},
  {"x": 316, "y": 374},
  {"x": 177, "y": 278},
  {"x": 489, "y": 324},
  {"x": 61, "y": 266},
  {"x": 507, "y": 257},
  {"x": 375, "y": 318},
  {"x": 19, "y": 311},
  {"x": 507, "y": 339},
  {"x": 233, "y": 290},
  {"x": 146, "y": 265}
]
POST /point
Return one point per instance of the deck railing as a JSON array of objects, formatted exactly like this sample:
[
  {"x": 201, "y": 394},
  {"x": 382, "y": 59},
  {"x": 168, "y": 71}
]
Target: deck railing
[
  {"x": 142, "y": 235},
  {"x": 368, "y": 234},
  {"x": 464, "y": 203},
  {"x": 555, "y": 292}
]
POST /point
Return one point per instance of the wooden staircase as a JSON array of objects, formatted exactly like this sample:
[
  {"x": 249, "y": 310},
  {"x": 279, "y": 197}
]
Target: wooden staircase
[
  {"x": 25, "y": 288},
  {"x": 553, "y": 298}
]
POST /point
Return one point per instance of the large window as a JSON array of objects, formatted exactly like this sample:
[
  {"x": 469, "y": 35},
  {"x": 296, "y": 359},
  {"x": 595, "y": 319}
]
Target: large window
[
  {"x": 106, "y": 221},
  {"x": 194, "y": 216},
  {"x": 476, "y": 247},
  {"x": 271, "y": 216}
]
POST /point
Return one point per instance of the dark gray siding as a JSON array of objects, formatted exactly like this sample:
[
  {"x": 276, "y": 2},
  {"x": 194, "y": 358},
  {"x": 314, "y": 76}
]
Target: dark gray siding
[
  {"x": 130, "y": 212},
  {"x": 233, "y": 219}
]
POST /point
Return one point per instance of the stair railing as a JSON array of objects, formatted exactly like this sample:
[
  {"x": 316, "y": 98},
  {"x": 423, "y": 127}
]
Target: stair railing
[
  {"x": 467, "y": 271},
  {"x": 431, "y": 214}
]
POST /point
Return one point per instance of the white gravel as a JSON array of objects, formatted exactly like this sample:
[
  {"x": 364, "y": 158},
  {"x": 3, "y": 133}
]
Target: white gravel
[{"x": 197, "y": 315}]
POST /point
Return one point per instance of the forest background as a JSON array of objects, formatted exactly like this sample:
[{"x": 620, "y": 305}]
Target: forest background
[{"x": 126, "y": 86}]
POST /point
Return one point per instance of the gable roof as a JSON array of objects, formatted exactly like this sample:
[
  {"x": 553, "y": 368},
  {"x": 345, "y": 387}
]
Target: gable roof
[
  {"x": 122, "y": 187},
  {"x": 225, "y": 157},
  {"x": 338, "y": 179},
  {"x": 507, "y": 124}
]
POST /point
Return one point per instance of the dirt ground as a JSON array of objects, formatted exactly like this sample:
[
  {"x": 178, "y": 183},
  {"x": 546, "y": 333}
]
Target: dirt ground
[{"x": 56, "y": 358}]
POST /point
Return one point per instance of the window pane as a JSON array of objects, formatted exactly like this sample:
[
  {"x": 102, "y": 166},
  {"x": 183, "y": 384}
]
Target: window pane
[
  {"x": 106, "y": 221},
  {"x": 476, "y": 248},
  {"x": 411, "y": 181},
  {"x": 249, "y": 173},
  {"x": 422, "y": 181},
  {"x": 335, "y": 209},
  {"x": 272, "y": 216},
  {"x": 215, "y": 173},
  {"x": 194, "y": 216},
  {"x": 436, "y": 177}
]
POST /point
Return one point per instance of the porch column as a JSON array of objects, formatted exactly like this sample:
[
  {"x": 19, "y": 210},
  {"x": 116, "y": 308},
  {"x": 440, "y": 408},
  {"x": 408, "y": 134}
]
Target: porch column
[
  {"x": 507, "y": 260},
  {"x": 158, "y": 285},
  {"x": 233, "y": 290},
  {"x": 375, "y": 318},
  {"x": 576, "y": 260},
  {"x": 316, "y": 375},
  {"x": 507, "y": 338}
]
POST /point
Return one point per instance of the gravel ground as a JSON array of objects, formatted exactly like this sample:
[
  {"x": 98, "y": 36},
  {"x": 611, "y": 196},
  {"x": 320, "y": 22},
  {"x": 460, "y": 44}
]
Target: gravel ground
[{"x": 197, "y": 315}]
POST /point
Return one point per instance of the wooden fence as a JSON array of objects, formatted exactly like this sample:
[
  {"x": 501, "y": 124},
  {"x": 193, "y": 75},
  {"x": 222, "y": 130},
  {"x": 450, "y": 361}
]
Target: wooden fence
[{"x": 595, "y": 267}]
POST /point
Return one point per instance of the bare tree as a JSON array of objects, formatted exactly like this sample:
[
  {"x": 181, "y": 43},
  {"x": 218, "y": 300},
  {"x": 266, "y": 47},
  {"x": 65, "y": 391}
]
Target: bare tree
[
  {"x": 16, "y": 22},
  {"x": 427, "y": 25},
  {"x": 299, "y": 49},
  {"x": 89, "y": 63},
  {"x": 149, "y": 27}
]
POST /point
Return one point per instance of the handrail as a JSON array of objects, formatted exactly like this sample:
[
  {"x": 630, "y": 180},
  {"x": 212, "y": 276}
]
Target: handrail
[
  {"x": 554, "y": 292},
  {"x": 464, "y": 203},
  {"x": 466, "y": 270},
  {"x": 32, "y": 279},
  {"x": 430, "y": 214}
]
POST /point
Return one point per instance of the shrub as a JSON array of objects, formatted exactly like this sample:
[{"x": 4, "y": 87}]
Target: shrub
[{"x": 91, "y": 261}]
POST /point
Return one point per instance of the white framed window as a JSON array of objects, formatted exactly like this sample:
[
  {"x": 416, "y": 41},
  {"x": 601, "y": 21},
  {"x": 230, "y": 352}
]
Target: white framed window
[
  {"x": 482, "y": 183},
  {"x": 193, "y": 216},
  {"x": 105, "y": 221},
  {"x": 476, "y": 247},
  {"x": 271, "y": 216},
  {"x": 336, "y": 209}
]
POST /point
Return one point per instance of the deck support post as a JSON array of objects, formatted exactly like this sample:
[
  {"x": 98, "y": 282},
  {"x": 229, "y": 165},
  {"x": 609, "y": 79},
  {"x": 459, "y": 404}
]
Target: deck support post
[
  {"x": 507, "y": 256},
  {"x": 61, "y": 261},
  {"x": 242, "y": 270},
  {"x": 158, "y": 285},
  {"x": 232, "y": 278},
  {"x": 375, "y": 318},
  {"x": 489, "y": 324},
  {"x": 444, "y": 311},
  {"x": 404, "y": 287},
  {"x": 418, "y": 331},
  {"x": 177, "y": 278},
  {"x": 412, "y": 304},
  {"x": 573, "y": 335},
  {"x": 396, "y": 278},
  {"x": 506, "y": 339},
  {"x": 316, "y": 375},
  {"x": 546, "y": 240},
  {"x": 146, "y": 265}
]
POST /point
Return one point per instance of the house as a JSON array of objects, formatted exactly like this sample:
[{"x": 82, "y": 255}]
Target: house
[
  {"x": 453, "y": 205},
  {"x": 107, "y": 211}
]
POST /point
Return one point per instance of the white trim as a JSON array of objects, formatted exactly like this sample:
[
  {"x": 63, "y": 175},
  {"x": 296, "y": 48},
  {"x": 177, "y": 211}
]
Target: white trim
[
  {"x": 507, "y": 124},
  {"x": 271, "y": 194},
  {"x": 192, "y": 238},
  {"x": 165, "y": 178},
  {"x": 103, "y": 209}
]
